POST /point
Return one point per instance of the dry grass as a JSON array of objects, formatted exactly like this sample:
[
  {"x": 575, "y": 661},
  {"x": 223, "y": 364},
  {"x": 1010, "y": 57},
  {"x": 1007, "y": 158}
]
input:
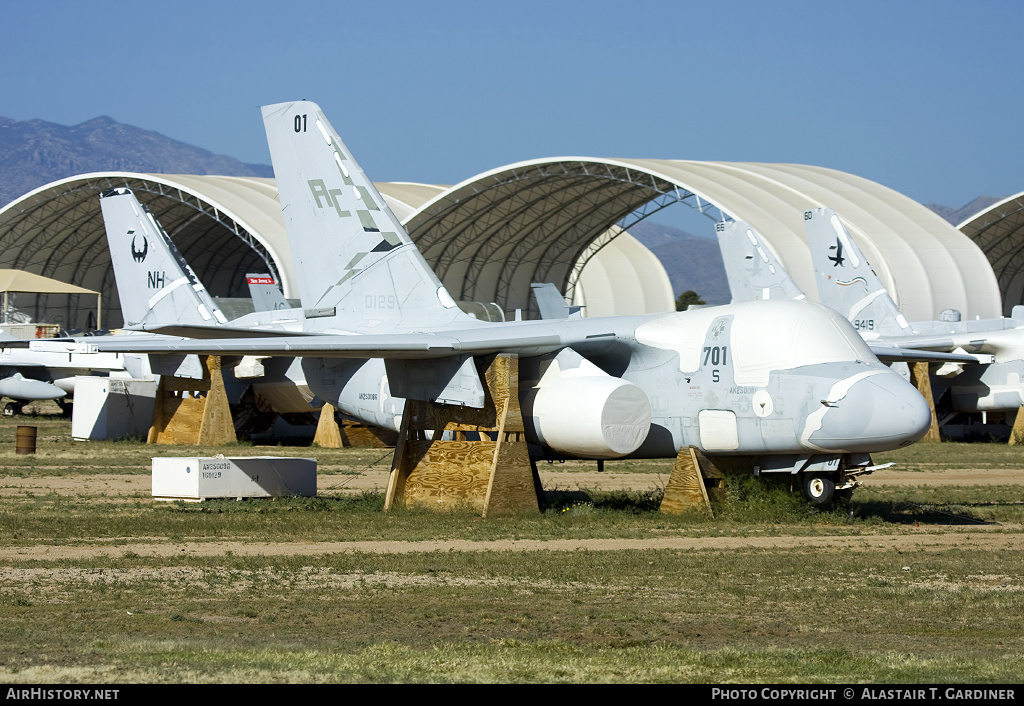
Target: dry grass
[{"x": 767, "y": 609}]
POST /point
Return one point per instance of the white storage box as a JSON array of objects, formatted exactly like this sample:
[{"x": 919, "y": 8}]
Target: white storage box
[
  {"x": 196, "y": 478},
  {"x": 112, "y": 408}
]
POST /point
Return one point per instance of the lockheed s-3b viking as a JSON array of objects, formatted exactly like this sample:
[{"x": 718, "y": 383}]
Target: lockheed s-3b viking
[{"x": 788, "y": 384}]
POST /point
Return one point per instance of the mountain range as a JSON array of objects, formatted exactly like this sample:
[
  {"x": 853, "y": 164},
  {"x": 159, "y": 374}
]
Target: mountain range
[
  {"x": 36, "y": 152},
  {"x": 956, "y": 216}
]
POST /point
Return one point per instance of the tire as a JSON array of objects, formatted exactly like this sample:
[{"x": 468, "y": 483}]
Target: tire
[
  {"x": 819, "y": 488},
  {"x": 10, "y": 409}
]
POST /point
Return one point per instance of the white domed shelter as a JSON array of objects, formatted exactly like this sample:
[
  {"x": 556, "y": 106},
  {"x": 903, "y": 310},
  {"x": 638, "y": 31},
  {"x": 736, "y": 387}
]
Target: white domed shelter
[{"x": 492, "y": 235}]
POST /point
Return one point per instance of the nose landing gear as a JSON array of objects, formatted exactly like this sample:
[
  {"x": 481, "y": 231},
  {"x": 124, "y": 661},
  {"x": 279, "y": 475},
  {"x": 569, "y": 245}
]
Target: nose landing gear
[{"x": 819, "y": 489}]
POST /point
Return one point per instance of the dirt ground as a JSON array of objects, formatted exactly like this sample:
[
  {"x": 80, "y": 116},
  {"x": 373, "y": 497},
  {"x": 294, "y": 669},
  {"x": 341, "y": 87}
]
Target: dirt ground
[
  {"x": 130, "y": 487},
  {"x": 980, "y": 538},
  {"x": 115, "y": 485}
]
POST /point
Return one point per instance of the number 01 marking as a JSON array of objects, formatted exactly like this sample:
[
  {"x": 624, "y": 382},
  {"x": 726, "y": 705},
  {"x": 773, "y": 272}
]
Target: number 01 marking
[{"x": 300, "y": 123}]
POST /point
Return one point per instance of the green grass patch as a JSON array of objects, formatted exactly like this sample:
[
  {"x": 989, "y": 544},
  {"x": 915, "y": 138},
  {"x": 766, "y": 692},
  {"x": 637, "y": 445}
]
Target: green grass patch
[
  {"x": 638, "y": 616},
  {"x": 767, "y": 614}
]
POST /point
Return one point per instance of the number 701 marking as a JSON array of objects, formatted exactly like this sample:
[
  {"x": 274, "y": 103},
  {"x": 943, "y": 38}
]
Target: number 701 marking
[{"x": 716, "y": 354}]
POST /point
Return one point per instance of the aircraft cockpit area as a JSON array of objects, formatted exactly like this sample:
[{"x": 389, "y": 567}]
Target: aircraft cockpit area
[{"x": 559, "y": 220}]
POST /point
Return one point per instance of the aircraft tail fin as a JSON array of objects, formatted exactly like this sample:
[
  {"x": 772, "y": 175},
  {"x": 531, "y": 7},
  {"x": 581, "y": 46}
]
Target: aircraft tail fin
[
  {"x": 846, "y": 281},
  {"x": 154, "y": 283},
  {"x": 354, "y": 254},
  {"x": 266, "y": 296},
  {"x": 551, "y": 302},
  {"x": 753, "y": 271}
]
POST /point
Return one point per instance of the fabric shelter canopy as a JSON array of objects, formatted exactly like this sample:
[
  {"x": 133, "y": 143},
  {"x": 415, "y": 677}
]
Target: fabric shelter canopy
[{"x": 21, "y": 281}]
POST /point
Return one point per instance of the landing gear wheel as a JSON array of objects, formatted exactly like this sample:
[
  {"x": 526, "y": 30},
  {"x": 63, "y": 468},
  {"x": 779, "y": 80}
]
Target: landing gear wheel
[
  {"x": 819, "y": 488},
  {"x": 12, "y": 408}
]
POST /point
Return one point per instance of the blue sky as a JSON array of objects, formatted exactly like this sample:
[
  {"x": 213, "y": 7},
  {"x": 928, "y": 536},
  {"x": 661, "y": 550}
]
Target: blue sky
[{"x": 920, "y": 96}]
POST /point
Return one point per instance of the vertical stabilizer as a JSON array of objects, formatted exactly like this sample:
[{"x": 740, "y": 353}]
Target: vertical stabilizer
[
  {"x": 846, "y": 281},
  {"x": 551, "y": 302},
  {"x": 753, "y": 271},
  {"x": 154, "y": 283},
  {"x": 265, "y": 294},
  {"x": 355, "y": 256}
]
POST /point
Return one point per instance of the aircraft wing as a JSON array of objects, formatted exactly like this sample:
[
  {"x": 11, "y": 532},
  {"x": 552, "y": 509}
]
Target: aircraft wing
[{"x": 409, "y": 346}]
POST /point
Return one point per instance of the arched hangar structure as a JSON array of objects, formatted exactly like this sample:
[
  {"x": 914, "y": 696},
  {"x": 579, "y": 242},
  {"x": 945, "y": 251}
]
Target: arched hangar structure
[
  {"x": 999, "y": 231},
  {"x": 543, "y": 219},
  {"x": 489, "y": 237},
  {"x": 227, "y": 226}
]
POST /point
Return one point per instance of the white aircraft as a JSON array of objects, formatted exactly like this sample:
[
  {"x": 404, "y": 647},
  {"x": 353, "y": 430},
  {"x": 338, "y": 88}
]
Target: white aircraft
[
  {"x": 159, "y": 291},
  {"x": 755, "y": 274},
  {"x": 30, "y": 376},
  {"x": 847, "y": 283},
  {"x": 788, "y": 384}
]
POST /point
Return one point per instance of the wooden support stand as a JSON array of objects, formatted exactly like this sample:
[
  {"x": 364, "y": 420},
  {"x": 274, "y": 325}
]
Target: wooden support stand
[
  {"x": 1017, "y": 433},
  {"x": 328, "y": 434},
  {"x": 493, "y": 474},
  {"x": 367, "y": 435},
  {"x": 920, "y": 379},
  {"x": 193, "y": 412},
  {"x": 686, "y": 489},
  {"x": 331, "y": 435}
]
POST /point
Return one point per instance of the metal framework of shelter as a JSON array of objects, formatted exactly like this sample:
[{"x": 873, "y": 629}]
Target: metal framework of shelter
[
  {"x": 537, "y": 218},
  {"x": 491, "y": 236},
  {"x": 999, "y": 231},
  {"x": 57, "y": 230}
]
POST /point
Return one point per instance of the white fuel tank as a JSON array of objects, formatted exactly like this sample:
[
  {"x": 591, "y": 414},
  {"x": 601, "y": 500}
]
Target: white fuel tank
[{"x": 589, "y": 416}]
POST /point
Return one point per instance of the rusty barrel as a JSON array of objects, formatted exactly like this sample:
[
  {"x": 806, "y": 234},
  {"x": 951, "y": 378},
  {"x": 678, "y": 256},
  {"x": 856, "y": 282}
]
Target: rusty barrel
[{"x": 25, "y": 442}]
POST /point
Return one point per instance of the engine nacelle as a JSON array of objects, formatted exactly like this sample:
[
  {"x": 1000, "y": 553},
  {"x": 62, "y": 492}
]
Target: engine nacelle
[{"x": 588, "y": 416}]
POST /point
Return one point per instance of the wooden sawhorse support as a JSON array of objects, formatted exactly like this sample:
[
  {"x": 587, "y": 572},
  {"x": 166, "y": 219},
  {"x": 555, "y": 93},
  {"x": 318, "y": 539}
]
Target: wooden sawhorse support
[
  {"x": 687, "y": 489},
  {"x": 1017, "y": 433},
  {"x": 920, "y": 379},
  {"x": 494, "y": 474},
  {"x": 331, "y": 435},
  {"x": 202, "y": 417}
]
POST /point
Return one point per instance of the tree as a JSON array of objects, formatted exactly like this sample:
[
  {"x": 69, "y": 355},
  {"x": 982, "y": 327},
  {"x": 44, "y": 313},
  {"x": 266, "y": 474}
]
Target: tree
[{"x": 687, "y": 298}]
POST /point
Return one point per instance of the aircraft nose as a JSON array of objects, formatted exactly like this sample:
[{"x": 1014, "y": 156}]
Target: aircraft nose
[{"x": 879, "y": 412}]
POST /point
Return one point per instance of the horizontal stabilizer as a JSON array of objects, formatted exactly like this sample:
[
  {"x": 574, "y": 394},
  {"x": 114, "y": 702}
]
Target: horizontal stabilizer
[
  {"x": 551, "y": 302},
  {"x": 214, "y": 331},
  {"x": 892, "y": 354}
]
